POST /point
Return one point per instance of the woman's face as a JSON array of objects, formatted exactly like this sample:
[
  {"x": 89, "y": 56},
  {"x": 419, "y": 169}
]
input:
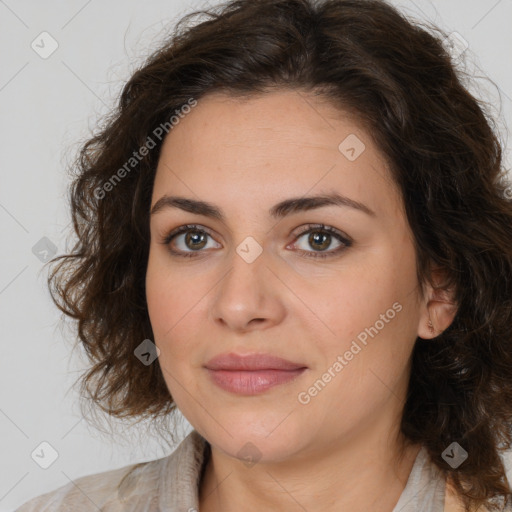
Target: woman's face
[{"x": 253, "y": 280}]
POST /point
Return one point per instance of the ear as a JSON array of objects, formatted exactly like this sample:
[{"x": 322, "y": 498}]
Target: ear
[{"x": 438, "y": 308}]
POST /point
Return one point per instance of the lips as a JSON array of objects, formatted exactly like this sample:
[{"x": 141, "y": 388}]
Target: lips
[
  {"x": 252, "y": 362},
  {"x": 251, "y": 374}
]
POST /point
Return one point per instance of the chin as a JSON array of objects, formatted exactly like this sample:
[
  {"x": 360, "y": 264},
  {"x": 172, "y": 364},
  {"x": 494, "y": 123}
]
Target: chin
[{"x": 265, "y": 439}]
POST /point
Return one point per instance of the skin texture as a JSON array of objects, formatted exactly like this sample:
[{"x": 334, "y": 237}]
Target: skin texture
[{"x": 339, "y": 450}]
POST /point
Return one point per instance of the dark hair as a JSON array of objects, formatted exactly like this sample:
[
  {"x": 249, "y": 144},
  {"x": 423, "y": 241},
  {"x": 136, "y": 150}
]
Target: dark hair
[{"x": 399, "y": 81}]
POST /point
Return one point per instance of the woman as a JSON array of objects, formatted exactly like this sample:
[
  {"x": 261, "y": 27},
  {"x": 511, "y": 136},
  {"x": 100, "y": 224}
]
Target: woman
[{"x": 296, "y": 230}]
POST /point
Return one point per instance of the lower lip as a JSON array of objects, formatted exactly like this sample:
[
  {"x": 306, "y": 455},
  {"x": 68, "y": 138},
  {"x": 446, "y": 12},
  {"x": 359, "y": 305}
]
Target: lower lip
[{"x": 252, "y": 382}]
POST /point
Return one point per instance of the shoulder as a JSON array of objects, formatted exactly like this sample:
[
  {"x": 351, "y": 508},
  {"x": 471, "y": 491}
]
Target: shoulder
[
  {"x": 134, "y": 488},
  {"x": 507, "y": 461},
  {"x": 133, "y": 484},
  {"x": 452, "y": 500}
]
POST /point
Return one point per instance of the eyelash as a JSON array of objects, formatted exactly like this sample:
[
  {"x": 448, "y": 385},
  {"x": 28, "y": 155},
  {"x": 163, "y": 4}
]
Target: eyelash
[{"x": 309, "y": 228}]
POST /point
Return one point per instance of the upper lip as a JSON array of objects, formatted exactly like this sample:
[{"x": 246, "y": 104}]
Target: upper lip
[{"x": 232, "y": 361}]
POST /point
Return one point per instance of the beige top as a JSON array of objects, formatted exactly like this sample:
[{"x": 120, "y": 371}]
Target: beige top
[{"x": 171, "y": 484}]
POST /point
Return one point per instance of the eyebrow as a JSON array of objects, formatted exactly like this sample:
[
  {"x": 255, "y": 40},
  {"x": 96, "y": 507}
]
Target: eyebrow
[{"x": 278, "y": 211}]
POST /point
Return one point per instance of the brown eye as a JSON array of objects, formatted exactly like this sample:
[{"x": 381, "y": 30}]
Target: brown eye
[
  {"x": 319, "y": 241},
  {"x": 320, "y": 238},
  {"x": 191, "y": 244},
  {"x": 195, "y": 240}
]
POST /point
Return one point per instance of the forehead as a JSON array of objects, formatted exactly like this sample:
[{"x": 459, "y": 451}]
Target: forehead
[{"x": 267, "y": 147}]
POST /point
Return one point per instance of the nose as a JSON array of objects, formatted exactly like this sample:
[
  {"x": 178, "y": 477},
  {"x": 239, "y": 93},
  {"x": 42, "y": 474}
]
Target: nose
[{"x": 249, "y": 296}]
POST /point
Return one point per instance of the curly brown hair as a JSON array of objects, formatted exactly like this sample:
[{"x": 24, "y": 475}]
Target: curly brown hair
[{"x": 444, "y": 151}]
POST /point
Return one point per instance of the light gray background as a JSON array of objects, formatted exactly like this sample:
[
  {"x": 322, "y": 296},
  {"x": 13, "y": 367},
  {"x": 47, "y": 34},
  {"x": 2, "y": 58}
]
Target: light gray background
[{"x": 47, "y": 107}]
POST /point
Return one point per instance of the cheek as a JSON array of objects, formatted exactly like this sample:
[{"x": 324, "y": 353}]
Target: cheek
[
  {"x": 374, "y": 306},
  {"x": 160, "y": 302},
  {"x": 175, "y": 300},
  {"x": 362, "y": 292},
  {"x": 172, "y": 303},
  {"x": 365, "y": 363}
]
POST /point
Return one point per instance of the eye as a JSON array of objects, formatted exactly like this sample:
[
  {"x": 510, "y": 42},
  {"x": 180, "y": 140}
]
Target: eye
[
  {"x": 191, "y": 239},
  {"x": 320, "y": 238},
  {"x": 188, "y": 237}
]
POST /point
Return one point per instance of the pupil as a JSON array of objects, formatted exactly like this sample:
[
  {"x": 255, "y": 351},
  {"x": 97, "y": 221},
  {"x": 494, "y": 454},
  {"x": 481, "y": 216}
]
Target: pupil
[
  {"x": 195, "y": 238},
  {"x": 314, "y": 239}
]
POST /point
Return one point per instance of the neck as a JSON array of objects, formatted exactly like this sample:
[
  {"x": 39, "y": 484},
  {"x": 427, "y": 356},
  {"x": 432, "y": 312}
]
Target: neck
[{"x": 360, "y": 473}]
